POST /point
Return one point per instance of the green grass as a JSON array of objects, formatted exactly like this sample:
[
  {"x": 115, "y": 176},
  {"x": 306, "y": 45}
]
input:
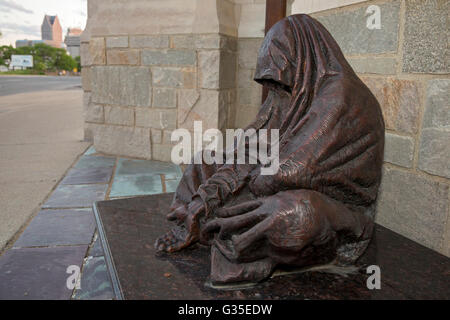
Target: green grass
[{"x": 23, "y": 72}]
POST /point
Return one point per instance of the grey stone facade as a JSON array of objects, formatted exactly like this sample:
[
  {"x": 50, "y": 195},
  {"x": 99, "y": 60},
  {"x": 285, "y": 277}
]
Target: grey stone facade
[
  {"x": 140, "y": 88},
  {"x": 426, "y": 47},
  {"x": 405, "y": 64},
  {"x": 349, "y": 29}
]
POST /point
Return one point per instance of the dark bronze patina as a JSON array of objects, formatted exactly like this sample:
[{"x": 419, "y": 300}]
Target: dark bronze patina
[{"x": 319, "y": 207}]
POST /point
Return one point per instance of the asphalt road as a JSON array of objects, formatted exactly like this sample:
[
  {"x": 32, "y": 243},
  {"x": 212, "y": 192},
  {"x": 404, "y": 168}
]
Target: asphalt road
[{"x": 10, "y": 85}]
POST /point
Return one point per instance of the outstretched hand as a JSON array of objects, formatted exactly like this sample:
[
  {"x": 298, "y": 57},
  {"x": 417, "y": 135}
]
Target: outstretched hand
[{"x": 187, "y": 230}]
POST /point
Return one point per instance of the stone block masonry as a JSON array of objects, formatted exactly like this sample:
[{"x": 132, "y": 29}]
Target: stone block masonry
[
  {"x": 405, "y": 65},
  {"x": 140, "y": 88}
]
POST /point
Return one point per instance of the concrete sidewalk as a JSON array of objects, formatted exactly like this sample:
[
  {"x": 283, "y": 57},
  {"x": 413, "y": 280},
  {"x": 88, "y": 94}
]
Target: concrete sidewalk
[{"x": 40, "y": 138}]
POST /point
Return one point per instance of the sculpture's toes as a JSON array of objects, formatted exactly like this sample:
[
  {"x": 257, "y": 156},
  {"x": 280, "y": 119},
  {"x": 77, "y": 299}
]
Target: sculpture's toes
[
  {"x": 166, "y": 241},
  {"x": 160, "y": 244},
  {"x": 174, "y": 240},
  {"x": 176, "y": 246},
  {"x": 181, "y": 240}
]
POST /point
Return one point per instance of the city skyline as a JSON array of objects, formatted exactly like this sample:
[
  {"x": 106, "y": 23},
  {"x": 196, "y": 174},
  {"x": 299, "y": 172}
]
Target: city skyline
[{"x": 22, "y": 19}]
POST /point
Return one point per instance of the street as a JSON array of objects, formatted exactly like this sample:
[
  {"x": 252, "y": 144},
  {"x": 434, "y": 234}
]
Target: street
[
  {"x": 10, "y": 85},
  {"x": 41, "y": 133}
]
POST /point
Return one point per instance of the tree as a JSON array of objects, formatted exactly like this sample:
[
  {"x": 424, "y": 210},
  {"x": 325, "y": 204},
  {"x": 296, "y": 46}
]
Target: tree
[
  {"x": 65, "y": 62},
  {"x": 5, "y": 54},
  {"x": 78, "y": 60},
  {"x": 45, "y": 57},
  {"x": 42, "y": 53}
]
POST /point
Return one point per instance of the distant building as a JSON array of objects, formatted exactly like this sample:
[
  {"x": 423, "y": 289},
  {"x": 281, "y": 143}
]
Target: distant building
[
  {"x": 52, "y": 32},
  {"x": 30, "y": 43},
  {"x": 27, "y": 43},
  {"x": 72, "y": 41}
]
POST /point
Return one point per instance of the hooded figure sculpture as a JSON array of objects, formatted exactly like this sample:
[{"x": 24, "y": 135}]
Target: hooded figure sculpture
[{"x": 319, "y": 207}]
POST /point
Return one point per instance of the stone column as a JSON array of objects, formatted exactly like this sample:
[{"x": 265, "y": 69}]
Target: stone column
[{"x": 150, "y": 67}]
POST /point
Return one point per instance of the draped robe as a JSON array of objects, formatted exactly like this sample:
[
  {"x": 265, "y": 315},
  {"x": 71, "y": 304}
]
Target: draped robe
[{"x": 321, "y": 200}]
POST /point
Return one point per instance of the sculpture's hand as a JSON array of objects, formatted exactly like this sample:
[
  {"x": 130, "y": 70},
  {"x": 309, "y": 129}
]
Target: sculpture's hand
[
  {"x": 282, "y": 220},
  {"x": 206, "y": 233},
  {"x": 186, "y": 232}
]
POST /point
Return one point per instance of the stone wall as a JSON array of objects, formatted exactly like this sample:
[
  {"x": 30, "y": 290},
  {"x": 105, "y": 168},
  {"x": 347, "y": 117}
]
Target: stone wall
[
  {"x": 311, "y": 6},
  {"x": 144, "y": 77},
  {"x": 140, "y": 87},
  {"x": 405, "y": 63}
]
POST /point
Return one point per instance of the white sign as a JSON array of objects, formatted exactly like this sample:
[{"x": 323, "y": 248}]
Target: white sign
[{"x": 21, "y": 61}]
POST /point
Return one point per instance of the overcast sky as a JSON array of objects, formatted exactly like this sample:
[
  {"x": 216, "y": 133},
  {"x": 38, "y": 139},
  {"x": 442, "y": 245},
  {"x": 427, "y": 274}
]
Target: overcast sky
[{"x": 22, "y": 19}]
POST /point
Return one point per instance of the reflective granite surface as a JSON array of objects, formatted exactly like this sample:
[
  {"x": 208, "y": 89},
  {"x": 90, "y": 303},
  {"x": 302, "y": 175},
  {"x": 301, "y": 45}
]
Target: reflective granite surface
[
  {"x": 131, "y": 226},
  {"x": 141, "y": 177}
]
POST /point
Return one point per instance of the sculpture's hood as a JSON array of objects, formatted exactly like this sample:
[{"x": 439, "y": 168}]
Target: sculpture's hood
[{"x": 331, "y": 131}]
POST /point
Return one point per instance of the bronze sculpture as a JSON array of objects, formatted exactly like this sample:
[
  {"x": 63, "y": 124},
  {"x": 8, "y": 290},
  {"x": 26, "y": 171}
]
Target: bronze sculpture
[{"x": 319, "y": 207}]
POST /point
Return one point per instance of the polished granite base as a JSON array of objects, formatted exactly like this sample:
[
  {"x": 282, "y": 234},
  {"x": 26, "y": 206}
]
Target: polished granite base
[{"x": 129, "y": 227}]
